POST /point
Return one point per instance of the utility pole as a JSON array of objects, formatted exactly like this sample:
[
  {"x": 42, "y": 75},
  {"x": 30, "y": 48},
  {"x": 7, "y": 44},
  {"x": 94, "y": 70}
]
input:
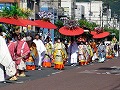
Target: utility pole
[
  {"x": 90, "y": 11},
  {"x": 100, "y": 17},
  {"x": 119, "y": 32}
]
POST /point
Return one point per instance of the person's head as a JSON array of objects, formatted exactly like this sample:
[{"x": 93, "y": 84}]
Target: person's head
[
  {"x": 47, "y": 39},
  {"x": 17, "y": 29},
  {"x": 37, "y": 36},
  {"x": 18, "y": 36},
  {"x": 72, "y": 40},
  {"x": 86, "y": 43},
  {"x": 9, "y": 39},
  {"x": 58, "y": 40},
  {"x": 33, "y": 44}
]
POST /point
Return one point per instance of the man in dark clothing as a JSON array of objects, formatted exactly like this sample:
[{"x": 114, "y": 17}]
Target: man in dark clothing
[{"x": 116, "y": 49}]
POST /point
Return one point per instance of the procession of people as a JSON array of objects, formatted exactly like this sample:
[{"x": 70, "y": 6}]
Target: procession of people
[{"x": 36, "y": 53}]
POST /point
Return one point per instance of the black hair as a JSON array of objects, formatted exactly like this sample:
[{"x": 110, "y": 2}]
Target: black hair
[
  {"x": 37, "y": 35},
  {"x": 1, "y": 30}
]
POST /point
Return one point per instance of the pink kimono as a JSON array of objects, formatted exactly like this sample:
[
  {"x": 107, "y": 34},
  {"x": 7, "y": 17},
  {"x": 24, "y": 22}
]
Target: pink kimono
[
  {"x": 22, "y": 49},
  {"x": 11, "y": 47}
]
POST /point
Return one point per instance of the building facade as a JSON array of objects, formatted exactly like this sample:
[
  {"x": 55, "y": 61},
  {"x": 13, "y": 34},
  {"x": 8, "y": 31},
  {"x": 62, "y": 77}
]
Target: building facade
[
  {"x": 69, "y": 7},
  {"x": 91, "y": 11},
  {"x": 95, "y": 11}
]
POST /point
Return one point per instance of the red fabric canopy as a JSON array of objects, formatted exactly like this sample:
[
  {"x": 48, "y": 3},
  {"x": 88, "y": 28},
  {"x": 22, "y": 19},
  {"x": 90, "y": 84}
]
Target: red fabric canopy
[
  {"x": 101, "y": 35},
  {"x": 45, "y": 24},
  {"x": 65, "y": 31},
  {"x": 28, "y": 22},
  {"x": 12, "y": 21},
  {"x": 93, "y": 32}
]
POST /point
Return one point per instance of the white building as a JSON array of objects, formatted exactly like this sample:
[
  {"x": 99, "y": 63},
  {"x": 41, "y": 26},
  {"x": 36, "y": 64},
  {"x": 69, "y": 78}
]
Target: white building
[
  {"x": 69, "y": 7},
  {"x": 23, "y": 4},
  {"x": 79, "y": 12},
  {"x": 93, "y": 12}
]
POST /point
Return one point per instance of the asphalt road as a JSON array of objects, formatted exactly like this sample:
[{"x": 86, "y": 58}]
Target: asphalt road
[{"x": 96, "y": 76}]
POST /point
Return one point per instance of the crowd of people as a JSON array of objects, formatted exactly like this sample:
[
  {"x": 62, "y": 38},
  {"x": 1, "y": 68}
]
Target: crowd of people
[{"x": 34, "y": 53}]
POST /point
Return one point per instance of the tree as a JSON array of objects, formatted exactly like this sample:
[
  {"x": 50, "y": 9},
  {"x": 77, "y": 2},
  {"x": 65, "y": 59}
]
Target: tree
[
  {"x": 15, "y": 12},
  {"x": 59, "y": 24},
  {"x": 85, "y": 23},
  {"x": 112, "y": 30}
]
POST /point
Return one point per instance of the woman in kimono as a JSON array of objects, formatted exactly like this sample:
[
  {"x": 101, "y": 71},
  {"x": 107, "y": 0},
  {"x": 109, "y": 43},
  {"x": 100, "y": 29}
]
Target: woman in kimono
[
  {"x": 11, "y": 47},
  {"x": 7, "y": 65},
  {"x": 30, "y": 63},
  {"x": 90, "y": 52},
  {"x": 59, "y": 55},
  {"x": 109, "y": 51},
  {"x": 48, "y": 54},
  {"x": 83, "y": 54},
  {"x": 22, "y": 52},
  {"x": 94, "y": 49},
  {"x": 101, "y": 52}
]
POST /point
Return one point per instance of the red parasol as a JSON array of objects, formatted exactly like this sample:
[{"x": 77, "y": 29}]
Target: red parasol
[
  {"x": 12, "y": 21},
  {"x": 71, "y": 32},
  {"x": 45, "y": 24},
  {"x": 28, "y": 22},
  {"x": 93, "y": 32},
  {"x": 101, "y": 35}
]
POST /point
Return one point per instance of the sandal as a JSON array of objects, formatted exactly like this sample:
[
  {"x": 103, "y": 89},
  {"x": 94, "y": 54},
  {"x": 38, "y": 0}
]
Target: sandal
[{"x": 14, "y": 78}]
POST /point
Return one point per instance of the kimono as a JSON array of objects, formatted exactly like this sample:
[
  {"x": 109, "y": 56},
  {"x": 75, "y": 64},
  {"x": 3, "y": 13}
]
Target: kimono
[
  {"x": 90, "y": 52},
  {"x": 94, "y": 49},
  {"x": 83, "y": 54},
  {"x": 59, "y": 55},
  {"x": 11, "y": 47},
  {"x": 109, "y": 52},
  {"x": 73, "y": 53},
  {"x": 30, "y": 63},
  {"x": 21, "y": 54},
  {"x": 6, "y": 63},
  {"x": 41, "y": 49},
  {"x": 48, "y": 55},
  {"x": 101, "y": 53}
]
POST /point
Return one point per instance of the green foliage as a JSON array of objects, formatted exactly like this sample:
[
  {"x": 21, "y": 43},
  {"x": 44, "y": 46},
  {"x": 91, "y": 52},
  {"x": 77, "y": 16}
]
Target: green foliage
[
  {"x": 3, "y": 29},
  {"x": 85, "y": 23},
  {"x": 15, "y": 12},
  {"x": 59, "y": 23},
  {"x": 112, "y": 30}
]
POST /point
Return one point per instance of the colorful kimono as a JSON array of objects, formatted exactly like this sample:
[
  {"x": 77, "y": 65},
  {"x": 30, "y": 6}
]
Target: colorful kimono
[
  {"x": 48, "y": 55},
  {"x": 109, "y": 52},
  {"x": 94, "y": 49},
  {"x": 30, "y": 63},
  {"x": 59, "y": 55},
  {"x": 22, "y": 54},
  {"x": 11, "y": 47},
  {"x": 90, "y": 52},
  {"x": 83, "y": 54}
]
